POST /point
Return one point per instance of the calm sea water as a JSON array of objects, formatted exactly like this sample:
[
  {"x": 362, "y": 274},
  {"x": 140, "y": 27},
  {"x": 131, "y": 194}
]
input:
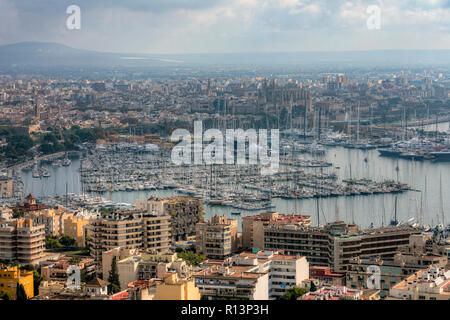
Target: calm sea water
[{"x": 363, "y": 210}]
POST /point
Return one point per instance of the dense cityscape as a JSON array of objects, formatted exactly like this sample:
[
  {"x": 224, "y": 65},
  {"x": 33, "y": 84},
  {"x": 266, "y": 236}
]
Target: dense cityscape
[{"x": 128, "y": 179}]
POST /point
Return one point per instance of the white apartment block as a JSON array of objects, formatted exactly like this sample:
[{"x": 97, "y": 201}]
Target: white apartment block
[
  {"x": 284, "y": 271},
  {"x": 429, "y": 284}
]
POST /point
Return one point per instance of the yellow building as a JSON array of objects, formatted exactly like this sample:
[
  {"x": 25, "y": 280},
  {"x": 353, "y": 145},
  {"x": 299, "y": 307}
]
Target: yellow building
[
  {"x": 173, "y": 288},
  {"x": 10, "y": 278},
  {"x": 74, "y": 228}
]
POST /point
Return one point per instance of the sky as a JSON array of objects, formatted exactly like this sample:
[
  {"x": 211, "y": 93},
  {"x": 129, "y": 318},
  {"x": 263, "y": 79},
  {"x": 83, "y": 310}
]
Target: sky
[{"x": 221, "y": 26}]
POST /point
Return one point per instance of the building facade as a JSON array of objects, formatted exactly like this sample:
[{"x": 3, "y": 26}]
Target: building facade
[
  {"x": 253, "y": 227},
  {"x": 284, "y": 271},
  {"x": 432, "y": 283},
  {"x": 218, "y": 282},
  {"x": 22, "y": 241},
  {"x": 75, "y": 228},
  {"x": 10, "y": 278},
  {"x": 184, "y": 212},
  {"x": 130, "y": 229},
  {"x": 174, "y": 288},
  {"x": 335, "y": 244},
  {"x": 383, "y": 274},
  {"x": 217, "y": 239}
]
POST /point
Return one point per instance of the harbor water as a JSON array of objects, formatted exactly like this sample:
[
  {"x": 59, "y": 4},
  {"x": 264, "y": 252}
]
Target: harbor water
[{"x": 425, "y": 204}]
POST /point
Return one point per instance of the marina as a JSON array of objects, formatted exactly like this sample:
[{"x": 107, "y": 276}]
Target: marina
[{"x": 349, "y": 181}]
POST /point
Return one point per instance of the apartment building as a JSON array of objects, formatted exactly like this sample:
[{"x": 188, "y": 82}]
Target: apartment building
[
  {"x": 144, "y": 266},
  {"x": 6, "y": 187},
  {"x": 130, "y": 229},
  {"x": 119, "y": 253},
  {"x": 382, "y": 242},
  {"x": 432, "y": 283},
  {"x": 217, "y": 238},
  {"x": 309, "y": 242},
  {"x": 184, "y": 212},
  {"x": 174, "y": 288},
  {"x": 334, "y": 293},
  {"x": 21, "y": 240},
  {"x": 10, "y": 278},
  {"x": 5, "y": 212},
  {"x": 284, "y": 271},
  {"x": 326, "y": 276},
  {"x": 253, "y": 227},
  {"x": 335, "y": 244},
  {"x": 154, "y": 266},
  {"x": 75, "y": 228},
  {"x": 56, "y": 269},
  {"x": 51, "y": 218},
  {"x": 391, "y": 271},
  {"x": 429, "y": 243},
  {"x": 227, "y": 282}
]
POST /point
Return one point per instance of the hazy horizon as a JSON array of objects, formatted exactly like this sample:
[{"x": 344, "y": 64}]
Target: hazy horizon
[
  {"x": 174, "y": 27},
  {"x": 224, "y": 53}
]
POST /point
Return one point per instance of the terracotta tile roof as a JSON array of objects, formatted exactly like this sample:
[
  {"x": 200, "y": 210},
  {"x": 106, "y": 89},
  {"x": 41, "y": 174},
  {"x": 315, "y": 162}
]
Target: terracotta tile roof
[{"x": 97, "y": 282}]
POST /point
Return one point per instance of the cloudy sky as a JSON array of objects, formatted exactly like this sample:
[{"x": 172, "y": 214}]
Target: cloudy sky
[{"x": 205, "y": 26}]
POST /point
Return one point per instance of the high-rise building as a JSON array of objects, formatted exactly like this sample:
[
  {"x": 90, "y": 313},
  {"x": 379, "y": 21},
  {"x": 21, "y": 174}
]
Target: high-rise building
[
  {"x": 217, "y": 238},
  {"x": 21, "y": 240},
  {"x": 131, "y": 230},
  {"x": 253, "y": 226},
  {"x": 185, "y": 213},
  {"x": 335, "y": 244},
  {"x": 284, "y": 271}
]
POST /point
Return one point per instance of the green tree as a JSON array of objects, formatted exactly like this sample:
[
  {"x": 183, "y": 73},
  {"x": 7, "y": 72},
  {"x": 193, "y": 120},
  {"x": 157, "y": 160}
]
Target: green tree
[
  {"x": 52, "y": 243},
  {"x": 294, "y": 293},
  {"x": 86, "y": 277},
  {"x": 21, "y": 295},
  {"x": 192, "y": 258},
  {"x": 114, "y": 283},
  {"x": 67, "y": 241},
  {"x": 87, "y": 241},
  {"x": 313, "y": 287},
  {"x": 37, "y": 279}
]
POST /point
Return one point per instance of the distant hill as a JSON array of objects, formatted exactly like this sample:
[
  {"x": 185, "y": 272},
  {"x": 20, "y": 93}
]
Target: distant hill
[{"x": 43, "y": 54}]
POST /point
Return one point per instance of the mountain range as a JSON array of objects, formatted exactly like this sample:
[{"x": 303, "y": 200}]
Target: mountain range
[{"x": 45, "y": 54}]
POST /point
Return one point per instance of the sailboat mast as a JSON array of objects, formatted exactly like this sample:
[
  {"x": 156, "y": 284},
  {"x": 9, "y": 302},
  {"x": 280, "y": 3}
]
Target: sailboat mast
[
  {"x": 395, "y": 210},
  {"x": 357, "y": 130},
  {"x": 318, "y": 214}
]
